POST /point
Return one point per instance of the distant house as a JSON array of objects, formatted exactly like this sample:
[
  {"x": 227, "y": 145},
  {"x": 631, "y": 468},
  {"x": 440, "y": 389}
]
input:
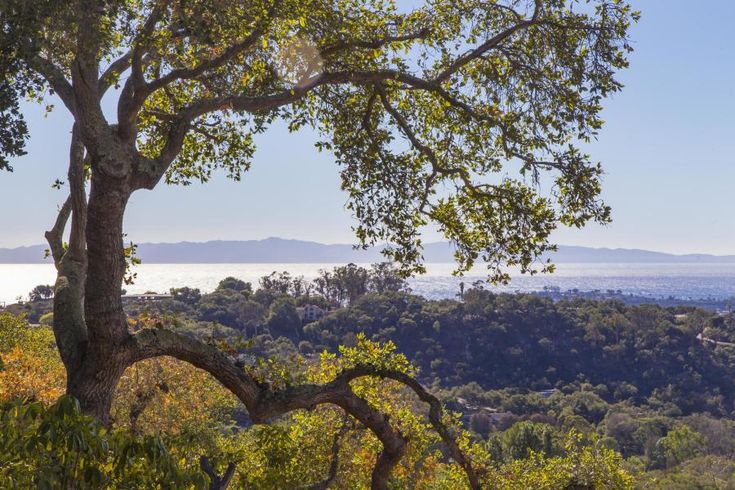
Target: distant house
[
  {"x": 146, "y": 297},
  {"x": 310, "y": 313},
  {"x": 498, "y": 420}
]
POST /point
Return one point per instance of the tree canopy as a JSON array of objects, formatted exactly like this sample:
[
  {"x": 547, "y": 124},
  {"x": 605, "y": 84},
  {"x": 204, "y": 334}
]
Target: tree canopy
[{"x": 446, "y": 114}]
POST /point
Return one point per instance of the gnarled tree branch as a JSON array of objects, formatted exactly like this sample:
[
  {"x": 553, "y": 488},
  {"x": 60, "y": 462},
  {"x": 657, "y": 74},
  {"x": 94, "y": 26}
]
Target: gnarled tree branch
[
  {"x": 56, "y": 80},
  {"x": 134, "y": 91},
  {"x": 114, "y": 70},
  {"x": 227, "y": 55},
  {"x": 488, "y": 45},
  {"x": 70, "y": 328},
  {"x": 349, "y": 44},
  {"x": 78, "y": 196},
  {"x": 264, "y": 402}
]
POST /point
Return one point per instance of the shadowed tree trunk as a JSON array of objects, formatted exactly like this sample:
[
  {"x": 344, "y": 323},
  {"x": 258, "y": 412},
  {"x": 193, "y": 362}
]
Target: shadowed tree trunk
[{"x": 104, "y": 361}]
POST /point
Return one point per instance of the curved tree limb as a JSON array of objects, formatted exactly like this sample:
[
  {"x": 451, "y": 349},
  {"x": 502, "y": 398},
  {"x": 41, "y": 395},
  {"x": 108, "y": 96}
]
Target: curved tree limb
[
  {"x": 136, "y": 89},
  {"x": 488, "y": 45},
  {"x": 114, "y": 70},
  {"x": 69, "y": 327},
  {"x": 436, "y": 414},
  {"x": 264, "y": 402},
  {"x": 74, "y": 206},
  {"x": 181, "y": 122},
  {"x": 227, "y": 55},
  {"x": 349, "y": 44},
  {"x": 56, "y": 80},
  {"x": 85, "y": 71},
  {"x": 133, "y": 92}
]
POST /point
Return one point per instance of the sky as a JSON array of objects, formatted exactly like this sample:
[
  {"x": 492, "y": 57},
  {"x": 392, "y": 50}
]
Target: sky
[{"x": 667, "y": 148}]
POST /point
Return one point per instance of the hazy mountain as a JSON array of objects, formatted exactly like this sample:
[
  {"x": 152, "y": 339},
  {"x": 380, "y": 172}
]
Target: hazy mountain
[
  {"x": 568, "y": 253},
  {"x": 278, "y": 250},
  {"x": 23, "y": 255}
]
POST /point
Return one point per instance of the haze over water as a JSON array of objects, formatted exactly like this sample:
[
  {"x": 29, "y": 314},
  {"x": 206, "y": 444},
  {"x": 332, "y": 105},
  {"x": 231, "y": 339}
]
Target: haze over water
[{"x": 691, "y": 281}]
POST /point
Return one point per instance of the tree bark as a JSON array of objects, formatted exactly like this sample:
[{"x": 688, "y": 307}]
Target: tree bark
[
  {"x": 102, "y": 357},
  {"x": 106, "y": 267},
  {"x": 69, "y": 326},
  {"x": 264, "y": 403},
  {"x": 97, "y": 346},
  {"x": 95, "y": 382}
]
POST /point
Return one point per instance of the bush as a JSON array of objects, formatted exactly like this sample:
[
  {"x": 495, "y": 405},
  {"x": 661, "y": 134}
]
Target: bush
[{"x": 58, "y": 447}]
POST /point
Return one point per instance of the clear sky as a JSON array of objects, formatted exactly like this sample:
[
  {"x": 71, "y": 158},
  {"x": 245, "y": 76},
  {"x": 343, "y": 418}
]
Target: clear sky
[{"x": 668, "y": 149}]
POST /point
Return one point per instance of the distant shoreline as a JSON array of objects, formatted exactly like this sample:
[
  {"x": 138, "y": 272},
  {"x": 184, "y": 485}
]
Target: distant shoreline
[{"x": 707, "y": 285}]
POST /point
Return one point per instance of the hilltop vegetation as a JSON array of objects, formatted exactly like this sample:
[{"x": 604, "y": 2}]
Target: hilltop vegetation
[
  {"x": 642, "y": 354},
  {"x": 522, "y": 371},
  {"x": 173, "y": 426}
]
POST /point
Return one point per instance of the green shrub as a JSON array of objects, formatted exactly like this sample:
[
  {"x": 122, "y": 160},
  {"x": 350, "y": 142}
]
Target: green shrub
[{"x": 58, "y": 447}]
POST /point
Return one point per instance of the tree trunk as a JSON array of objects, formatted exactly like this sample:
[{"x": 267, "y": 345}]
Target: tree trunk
[
  {"x": 94, "y": 378},
  {"x": 94, "y": 384},
  {"x": 106, "y": 267}
]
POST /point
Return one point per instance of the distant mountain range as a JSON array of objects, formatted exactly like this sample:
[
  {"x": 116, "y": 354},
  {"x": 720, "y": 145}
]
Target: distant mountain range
[{"x": 279, "y": 250}]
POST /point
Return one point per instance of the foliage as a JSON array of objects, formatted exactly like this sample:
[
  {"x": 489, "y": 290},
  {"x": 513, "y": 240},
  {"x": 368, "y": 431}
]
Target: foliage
[
  {"x": 166, "y": 395},
  {"x": 284, "y": 320},
  {"x": 708, "y": 472},
  {"x": 187, "y": 412},
  {"x": 586, "y": 465},
  {"x": 680, "y": 444},
  {"x": 636, "y": 353},
  {"x": 189, "y": 296},
  {"x": 234, "y": 284},
  {"x": 58, "y": 447},
  {"x": 20, "y": 20},
  {"x": 468, "y": 107},
  {"x": 523, "y": 439},
  {"x": 29, "y": 362},
  {"x": 41, "y": 292},
  {"x": 345, "y": 284}
]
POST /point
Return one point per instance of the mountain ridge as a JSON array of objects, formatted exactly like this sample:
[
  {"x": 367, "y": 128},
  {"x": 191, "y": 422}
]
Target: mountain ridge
[{"x": 282, "y": 250}]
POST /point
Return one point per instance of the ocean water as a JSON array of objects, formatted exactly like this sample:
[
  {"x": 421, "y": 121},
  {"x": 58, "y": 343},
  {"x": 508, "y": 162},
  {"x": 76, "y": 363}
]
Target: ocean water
[{"x": 690, "y": 281}]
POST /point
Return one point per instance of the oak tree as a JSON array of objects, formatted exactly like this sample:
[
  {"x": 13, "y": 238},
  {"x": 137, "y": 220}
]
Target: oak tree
[{"x": 465, "y": 114}]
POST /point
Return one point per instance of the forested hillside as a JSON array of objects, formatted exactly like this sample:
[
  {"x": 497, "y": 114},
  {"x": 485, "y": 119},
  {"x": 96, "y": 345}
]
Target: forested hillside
[{"x": 655, "y": 384}]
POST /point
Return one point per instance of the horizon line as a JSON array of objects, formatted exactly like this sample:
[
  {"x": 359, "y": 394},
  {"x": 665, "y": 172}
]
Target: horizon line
[{"x": 438, "y": 242}]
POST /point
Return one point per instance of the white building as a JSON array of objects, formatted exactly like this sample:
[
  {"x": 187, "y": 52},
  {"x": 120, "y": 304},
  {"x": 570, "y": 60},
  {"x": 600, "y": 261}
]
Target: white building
[{"x": 310, "y": 313}]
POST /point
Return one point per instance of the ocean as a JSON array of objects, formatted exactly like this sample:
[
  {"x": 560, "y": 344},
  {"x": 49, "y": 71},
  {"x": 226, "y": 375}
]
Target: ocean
[{"x": 687, "y": 281}]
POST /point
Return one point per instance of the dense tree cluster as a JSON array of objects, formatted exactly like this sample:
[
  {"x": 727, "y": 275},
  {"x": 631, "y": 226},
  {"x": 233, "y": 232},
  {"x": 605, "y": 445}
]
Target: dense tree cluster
[
  {"x": 523, "y": 372},
  {"x": 644, "y": 354},
  {"x": 237, "y": 305}
]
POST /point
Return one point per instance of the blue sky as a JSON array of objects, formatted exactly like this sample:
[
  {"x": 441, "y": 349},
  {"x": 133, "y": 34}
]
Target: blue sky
[{"x": 667, "y": 148}]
